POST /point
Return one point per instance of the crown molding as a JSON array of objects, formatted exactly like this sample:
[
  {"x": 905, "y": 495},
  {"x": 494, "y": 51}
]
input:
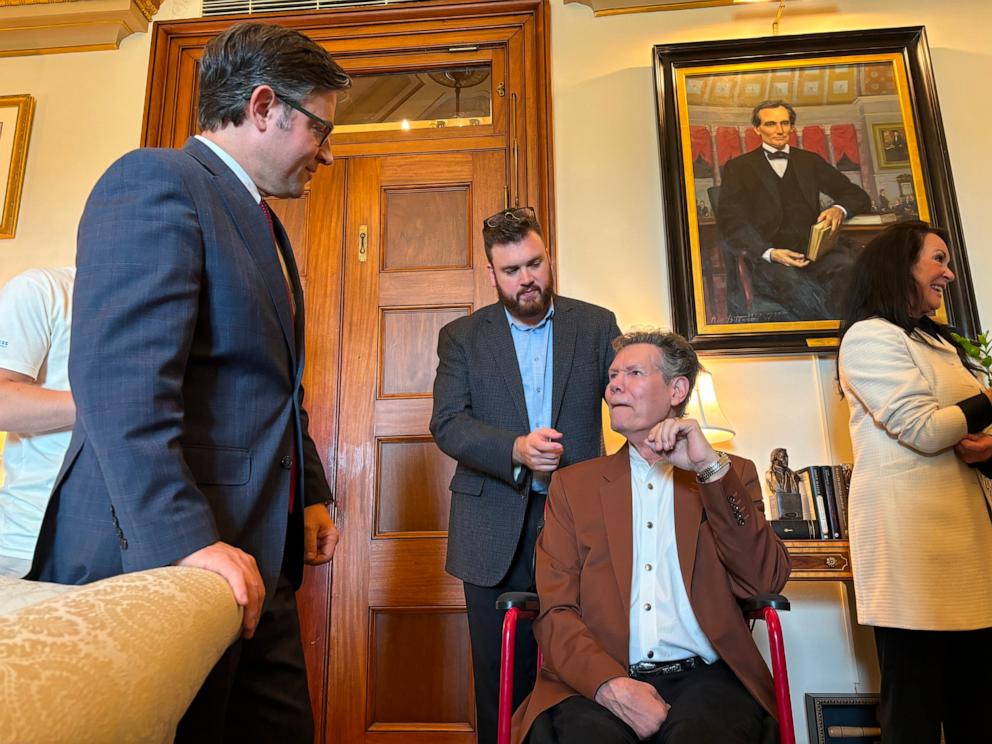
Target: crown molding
[{"x": 53, "y": 26}]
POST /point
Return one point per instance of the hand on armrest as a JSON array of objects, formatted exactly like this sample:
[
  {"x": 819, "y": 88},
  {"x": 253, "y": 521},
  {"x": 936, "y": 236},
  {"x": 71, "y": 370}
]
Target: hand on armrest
[{"x": 238, "y": 568}]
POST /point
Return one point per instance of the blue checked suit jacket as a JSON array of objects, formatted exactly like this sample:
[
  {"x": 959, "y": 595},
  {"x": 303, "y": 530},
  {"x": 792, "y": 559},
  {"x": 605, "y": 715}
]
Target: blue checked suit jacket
[{"x": 185, "y": 364}]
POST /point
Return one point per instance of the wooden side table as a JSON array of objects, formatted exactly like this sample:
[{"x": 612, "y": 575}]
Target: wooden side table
[{"x": 820, "y": 560}]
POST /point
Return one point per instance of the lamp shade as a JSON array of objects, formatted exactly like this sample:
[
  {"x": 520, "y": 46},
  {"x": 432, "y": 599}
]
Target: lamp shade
[{"x": 704, "y": 407}]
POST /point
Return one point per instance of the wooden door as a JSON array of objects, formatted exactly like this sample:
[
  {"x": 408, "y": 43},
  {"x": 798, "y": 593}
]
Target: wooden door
[{"x": 399, "y": 654}]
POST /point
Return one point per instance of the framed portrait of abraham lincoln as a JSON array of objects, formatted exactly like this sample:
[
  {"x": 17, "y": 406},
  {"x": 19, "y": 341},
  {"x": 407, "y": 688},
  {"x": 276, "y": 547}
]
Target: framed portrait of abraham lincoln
[{"x": 781, "y": 157}]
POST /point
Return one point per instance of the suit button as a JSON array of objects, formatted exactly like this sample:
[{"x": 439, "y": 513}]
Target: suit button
[
  {"x": 650, "y": 654},
  {"x": 286, "y": 462}
]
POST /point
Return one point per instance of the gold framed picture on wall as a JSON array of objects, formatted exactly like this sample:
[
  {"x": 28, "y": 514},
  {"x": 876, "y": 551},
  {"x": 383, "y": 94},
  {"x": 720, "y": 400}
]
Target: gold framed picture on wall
[
  {"x": 16, "y": 116},
  {"x": 782, "y": 157},
  {"x": 889, "y": 140}
]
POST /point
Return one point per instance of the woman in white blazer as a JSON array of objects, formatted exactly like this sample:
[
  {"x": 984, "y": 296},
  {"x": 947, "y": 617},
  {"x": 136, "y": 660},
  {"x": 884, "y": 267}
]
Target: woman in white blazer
[{"x": 920, "y": 508}]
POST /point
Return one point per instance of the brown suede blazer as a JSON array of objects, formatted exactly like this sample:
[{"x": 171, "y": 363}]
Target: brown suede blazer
[{"x": 584, "y": 557}]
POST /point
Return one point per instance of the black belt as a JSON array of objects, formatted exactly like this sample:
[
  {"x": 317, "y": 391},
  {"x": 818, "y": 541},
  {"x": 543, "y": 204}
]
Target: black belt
[{"x": 656, "y": 668}]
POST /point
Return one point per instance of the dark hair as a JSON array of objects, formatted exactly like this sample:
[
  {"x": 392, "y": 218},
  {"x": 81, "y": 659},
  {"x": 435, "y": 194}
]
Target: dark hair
[
  {"x": 509, "y": 226},
  {"x": 775, "y": 103},
  {"x": 882, "y": 283},
  {"x": 678, "y": 358},
  {"x": 248, "y": 55}
]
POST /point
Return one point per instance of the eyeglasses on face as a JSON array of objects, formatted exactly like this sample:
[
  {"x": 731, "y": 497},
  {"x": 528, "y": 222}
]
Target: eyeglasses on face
[
  {"x": 323, "y": 127},
  {"x": 516, "y": 216}
]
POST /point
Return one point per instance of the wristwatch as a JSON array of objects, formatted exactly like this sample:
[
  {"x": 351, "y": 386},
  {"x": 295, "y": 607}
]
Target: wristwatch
[{"x": 722, "y": 458}]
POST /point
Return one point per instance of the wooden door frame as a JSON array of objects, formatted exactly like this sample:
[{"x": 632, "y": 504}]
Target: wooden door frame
[{"x": 175, "y": 46}]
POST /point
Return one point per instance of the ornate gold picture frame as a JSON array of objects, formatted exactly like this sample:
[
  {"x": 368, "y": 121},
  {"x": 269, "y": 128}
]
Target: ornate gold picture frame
[
  {"x": 864, "y": 138},
  {"x": 16, "y": 116}
]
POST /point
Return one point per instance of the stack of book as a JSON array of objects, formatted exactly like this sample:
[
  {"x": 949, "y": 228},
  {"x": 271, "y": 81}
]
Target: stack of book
[{"x": 823, "y": 490}]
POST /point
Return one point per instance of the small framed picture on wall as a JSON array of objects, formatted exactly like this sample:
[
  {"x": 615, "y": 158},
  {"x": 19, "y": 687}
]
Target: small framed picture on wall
[{"x": 16, "y": 115}]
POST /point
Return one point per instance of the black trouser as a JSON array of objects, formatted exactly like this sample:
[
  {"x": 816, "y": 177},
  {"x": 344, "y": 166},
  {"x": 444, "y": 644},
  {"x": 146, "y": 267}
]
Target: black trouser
[
  {"x": 709, "y": 705},
  {"x": 931, "y": 677},
  {"x": 811, "y": 293},
  {"x": 258, "y": 690},
  {"x": 485, "y": 625}
]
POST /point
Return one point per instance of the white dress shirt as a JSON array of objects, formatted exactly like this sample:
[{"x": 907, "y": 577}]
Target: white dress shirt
[{"x": 663, "y": 626}]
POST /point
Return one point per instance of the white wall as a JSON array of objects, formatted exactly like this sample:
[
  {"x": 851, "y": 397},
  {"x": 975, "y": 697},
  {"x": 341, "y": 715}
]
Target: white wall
[
  {"x": 611, "y": 243},
  {"x": 88, "y": 113},
  {"x": 610, "y": 224}
]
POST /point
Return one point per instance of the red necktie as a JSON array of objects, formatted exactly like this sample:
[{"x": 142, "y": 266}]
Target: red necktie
[{"x": 292, "y": 310}]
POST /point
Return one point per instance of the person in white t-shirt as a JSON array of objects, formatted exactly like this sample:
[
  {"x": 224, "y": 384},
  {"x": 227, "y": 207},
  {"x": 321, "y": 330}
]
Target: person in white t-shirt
[{"x": 36, "y": 407}]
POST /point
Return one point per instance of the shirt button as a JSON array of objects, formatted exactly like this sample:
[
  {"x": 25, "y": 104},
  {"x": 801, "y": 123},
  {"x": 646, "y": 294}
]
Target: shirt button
[
  {"x": 650, "y": 654},
  {"x": 650, "y": 486},
  {"x": 647, "y": 606},
  {"x": 650, "y": 525},
  {"x": 647, "y": 566}
]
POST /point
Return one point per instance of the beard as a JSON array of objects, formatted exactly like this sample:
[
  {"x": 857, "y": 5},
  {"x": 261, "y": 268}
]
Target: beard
[{"x": 530, "y": 310}]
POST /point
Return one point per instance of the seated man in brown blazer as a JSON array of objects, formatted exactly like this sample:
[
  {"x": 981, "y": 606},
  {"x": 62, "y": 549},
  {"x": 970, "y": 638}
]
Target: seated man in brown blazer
[{"x": 640, "y": 567}]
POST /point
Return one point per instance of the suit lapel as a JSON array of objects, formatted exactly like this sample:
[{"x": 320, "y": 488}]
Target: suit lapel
[
  {"x": 805, "y": 177},
  {"x": 505, "y": 358},
  {"x": 249, "y": 220},
  {"x": 688, "y": 515},
  {"x": 765, "y": 175},
  {"x": 296, "y": 287},
  {"x": 618, "y": 516},
  {"x": 563, "y": 333}
]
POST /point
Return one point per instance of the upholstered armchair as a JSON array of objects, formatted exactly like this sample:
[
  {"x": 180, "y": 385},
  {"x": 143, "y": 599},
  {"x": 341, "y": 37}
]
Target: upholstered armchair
[{"x": 118, "y": 660}]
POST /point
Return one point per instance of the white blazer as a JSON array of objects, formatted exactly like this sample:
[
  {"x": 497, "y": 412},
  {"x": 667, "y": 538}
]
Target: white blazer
[{"x": 920, "y": 519}]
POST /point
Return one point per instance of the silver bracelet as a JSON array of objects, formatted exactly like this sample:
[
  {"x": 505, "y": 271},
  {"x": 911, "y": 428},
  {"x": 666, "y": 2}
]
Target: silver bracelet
[{"x": 722, "y": 458}]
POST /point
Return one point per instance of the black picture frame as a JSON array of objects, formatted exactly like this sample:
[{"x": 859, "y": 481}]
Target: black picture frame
[
  {"x": 824, "y": 711},
  {"x": 699, "y": 269}
]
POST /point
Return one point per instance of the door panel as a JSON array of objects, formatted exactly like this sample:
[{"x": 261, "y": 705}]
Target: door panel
[{"x": 402, "y": 607}]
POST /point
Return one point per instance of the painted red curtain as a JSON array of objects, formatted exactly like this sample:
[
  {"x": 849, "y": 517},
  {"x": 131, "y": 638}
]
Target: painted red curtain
[
  {"x": 815, "y": 140},
  {"x": 728, "y": 144},
  {"x": 845, "y": 141},
  {"x": 702, "y": 146}
]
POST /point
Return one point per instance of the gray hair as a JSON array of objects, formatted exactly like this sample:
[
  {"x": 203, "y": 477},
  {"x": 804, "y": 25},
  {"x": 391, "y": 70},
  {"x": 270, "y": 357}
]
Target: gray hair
[
  {"x": 678, "y": 358},
  {"x": 248, "y": 55}
]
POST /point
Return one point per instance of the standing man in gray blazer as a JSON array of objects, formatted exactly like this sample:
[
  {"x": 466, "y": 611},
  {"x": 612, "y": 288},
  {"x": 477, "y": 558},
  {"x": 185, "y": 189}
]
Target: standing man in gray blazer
[
  {"x": 518, "y": 394},
  {"x": 190, "y": 445}
]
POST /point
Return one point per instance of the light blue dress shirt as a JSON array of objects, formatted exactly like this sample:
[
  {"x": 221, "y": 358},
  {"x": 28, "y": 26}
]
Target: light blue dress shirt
[{"x": 535, "y": 348}]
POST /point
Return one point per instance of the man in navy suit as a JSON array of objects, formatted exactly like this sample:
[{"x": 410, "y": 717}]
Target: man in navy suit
[
  {"x": 768, "y": 200},
  {"x": 190, "y": 445}
]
